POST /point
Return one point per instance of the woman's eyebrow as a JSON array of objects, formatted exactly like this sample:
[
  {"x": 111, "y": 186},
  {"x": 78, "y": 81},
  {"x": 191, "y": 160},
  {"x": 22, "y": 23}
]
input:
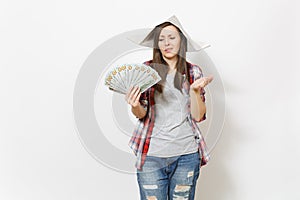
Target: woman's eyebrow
[{"x": 167, "y": 35}]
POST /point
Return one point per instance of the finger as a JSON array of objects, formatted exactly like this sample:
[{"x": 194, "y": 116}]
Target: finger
[
  {"x": 210, "y": 78},
  {"x": 207, "y": 80},
  {"x": 128, "y": 93},
  {"x": 139, "y": 95},
  {"x": 136, "y": 96},
  {"x": 204, "y": 81},
  {"x": 132, "y": 93},
  {"x": 196, "y": 84},
  {"x": 201, "y": 83},
  {"x": 137, "y": 99},
  {"x": 137, "y": 90}
]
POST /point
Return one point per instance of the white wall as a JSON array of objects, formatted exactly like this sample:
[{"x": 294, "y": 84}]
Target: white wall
[{"x": 254, "y": 47}]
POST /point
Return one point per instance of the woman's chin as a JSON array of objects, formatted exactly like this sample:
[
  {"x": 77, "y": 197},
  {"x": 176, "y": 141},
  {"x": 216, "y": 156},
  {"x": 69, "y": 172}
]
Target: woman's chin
[{"x": 170, "y": 55}]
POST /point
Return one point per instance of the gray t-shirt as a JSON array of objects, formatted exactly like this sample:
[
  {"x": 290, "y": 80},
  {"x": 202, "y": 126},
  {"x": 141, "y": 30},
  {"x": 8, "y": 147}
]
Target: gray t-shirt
[{"x": 172, "y": 134}]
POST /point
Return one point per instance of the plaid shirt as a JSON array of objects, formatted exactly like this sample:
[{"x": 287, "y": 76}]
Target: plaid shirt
[{"x": 141, "y": 137}]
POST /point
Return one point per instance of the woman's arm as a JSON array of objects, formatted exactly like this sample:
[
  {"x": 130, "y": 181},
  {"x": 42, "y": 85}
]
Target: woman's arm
[{"x": 198, "y": 108}]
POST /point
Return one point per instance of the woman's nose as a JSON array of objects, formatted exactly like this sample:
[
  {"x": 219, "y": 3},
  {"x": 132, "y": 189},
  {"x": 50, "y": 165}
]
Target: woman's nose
[{"x": 166, "y": 42}]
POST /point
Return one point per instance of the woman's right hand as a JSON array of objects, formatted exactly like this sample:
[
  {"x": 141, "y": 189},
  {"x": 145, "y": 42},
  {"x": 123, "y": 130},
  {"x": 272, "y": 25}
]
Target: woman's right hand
[{"x": 133, "y": 96}]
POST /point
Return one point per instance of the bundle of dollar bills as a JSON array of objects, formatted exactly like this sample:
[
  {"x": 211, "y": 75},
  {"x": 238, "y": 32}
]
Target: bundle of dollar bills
[{"x": 122, "y": 77}]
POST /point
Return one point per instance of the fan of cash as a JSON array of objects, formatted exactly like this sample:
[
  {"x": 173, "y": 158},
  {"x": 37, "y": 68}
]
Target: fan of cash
[{"x": 122, "y": 77}]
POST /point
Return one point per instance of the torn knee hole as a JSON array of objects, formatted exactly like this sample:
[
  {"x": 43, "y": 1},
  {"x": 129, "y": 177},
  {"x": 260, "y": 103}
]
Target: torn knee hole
[
  {"x": 150, "y": 187},
  {"x": 182, "y": 188},
  {"x": 151, "y": 198}
]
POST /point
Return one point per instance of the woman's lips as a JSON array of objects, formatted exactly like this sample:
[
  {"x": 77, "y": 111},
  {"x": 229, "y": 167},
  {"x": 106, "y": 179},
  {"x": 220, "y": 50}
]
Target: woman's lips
[{"x": 168, "y": 50}]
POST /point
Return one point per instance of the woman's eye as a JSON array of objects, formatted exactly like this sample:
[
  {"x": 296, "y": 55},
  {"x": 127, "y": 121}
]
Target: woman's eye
[{"x": 161, "y": 40}]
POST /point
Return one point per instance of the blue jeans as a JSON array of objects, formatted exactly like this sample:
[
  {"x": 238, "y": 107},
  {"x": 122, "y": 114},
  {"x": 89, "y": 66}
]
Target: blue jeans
[{"x": 169, "y": 178}]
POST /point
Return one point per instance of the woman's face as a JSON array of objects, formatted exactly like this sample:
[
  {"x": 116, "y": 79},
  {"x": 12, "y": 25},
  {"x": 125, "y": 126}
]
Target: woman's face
[{"x": 169, "y": 42}]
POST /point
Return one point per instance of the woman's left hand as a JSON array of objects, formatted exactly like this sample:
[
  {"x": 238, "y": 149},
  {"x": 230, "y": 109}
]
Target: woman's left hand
[{"x": 201, "y": 83}]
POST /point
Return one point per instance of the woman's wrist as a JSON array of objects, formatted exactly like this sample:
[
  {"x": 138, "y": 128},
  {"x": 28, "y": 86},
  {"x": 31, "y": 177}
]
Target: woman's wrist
[
  {"x": 195, "y": 90},
  {"x": 138, "y": 111}
]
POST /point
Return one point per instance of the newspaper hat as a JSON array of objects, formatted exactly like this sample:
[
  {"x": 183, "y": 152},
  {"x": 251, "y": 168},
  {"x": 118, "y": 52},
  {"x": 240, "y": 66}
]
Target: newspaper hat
[{"x": 146, "y": 37}]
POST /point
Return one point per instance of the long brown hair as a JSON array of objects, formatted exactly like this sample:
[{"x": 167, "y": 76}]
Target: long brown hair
[{"x": 160, "y": 65}]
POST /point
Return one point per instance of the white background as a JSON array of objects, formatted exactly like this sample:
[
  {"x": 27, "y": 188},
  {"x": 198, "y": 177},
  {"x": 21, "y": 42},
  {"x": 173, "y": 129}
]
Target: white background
[{"x": 254, "y": 45}]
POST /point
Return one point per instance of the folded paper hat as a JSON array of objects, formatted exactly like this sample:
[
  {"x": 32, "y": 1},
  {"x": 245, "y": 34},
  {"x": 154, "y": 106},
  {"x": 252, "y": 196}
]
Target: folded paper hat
[{"x": 146, "y": 37}]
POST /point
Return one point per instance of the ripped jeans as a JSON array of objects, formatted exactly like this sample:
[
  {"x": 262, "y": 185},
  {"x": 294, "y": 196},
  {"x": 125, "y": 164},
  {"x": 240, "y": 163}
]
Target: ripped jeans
[{"x": 169, "y": 178}]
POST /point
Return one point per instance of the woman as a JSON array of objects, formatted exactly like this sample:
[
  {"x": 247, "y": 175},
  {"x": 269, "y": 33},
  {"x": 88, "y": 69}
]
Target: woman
[{"x": 167, "y": 141}]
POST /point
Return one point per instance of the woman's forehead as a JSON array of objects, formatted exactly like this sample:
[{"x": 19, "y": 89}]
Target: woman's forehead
[{"x": 169, "y": 30}]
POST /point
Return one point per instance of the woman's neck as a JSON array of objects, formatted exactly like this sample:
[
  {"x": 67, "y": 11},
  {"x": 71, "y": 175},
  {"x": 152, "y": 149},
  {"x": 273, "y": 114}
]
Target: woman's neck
[{"x": 171, "y": 62}]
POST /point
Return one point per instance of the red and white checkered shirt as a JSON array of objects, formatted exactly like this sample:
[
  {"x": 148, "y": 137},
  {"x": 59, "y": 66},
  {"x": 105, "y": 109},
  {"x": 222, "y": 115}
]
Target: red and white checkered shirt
[{"x": 141, "y": 137}]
